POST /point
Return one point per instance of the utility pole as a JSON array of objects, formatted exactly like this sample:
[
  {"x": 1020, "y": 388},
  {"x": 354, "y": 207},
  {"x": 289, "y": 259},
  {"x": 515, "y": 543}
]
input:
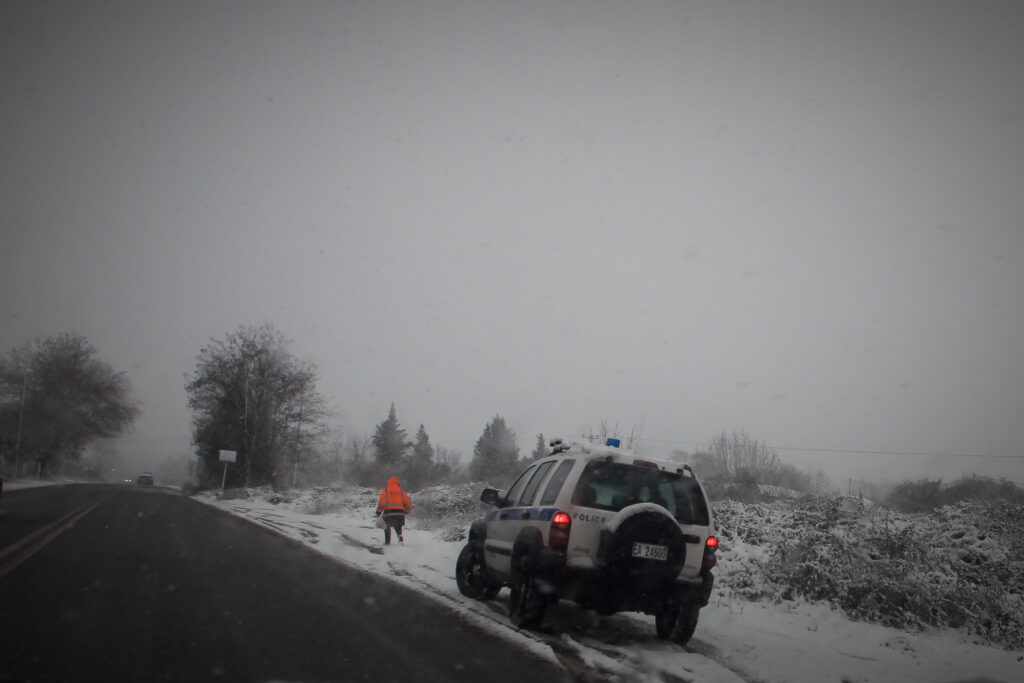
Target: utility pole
[
  {"x": 21, "y": 418},
  {"x": 245, "y": 426},
  {"x": 298, "y": 443}
]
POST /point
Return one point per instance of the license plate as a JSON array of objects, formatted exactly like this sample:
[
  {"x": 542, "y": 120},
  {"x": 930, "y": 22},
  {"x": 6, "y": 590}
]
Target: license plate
[{"x": 649, "y": 551}]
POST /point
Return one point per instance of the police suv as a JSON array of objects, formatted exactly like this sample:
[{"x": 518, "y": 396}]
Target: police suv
[{"x": 603, "y": 527}]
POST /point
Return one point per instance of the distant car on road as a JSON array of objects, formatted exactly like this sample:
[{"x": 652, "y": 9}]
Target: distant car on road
[{"x": 144, "y": 479}]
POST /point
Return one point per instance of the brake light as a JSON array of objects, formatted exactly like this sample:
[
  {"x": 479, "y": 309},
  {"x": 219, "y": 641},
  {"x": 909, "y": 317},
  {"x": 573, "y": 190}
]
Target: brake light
[
  {"x": 646, "y": 463},
  {"x": 710, "y": 547},
  {"x": 558, "y": 535}
]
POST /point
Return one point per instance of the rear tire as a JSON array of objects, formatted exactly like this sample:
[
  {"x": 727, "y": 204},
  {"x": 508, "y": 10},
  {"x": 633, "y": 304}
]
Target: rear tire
[
  {"x": 471, "y": 575},
  {"x": 526, "y": 605},
  {"x": 677, "y": 623},
  {"x": 665, "y": 620}
]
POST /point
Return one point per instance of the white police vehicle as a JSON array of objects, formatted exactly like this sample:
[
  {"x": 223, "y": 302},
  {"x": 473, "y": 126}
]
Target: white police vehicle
[{"x": 603, "y": 527}]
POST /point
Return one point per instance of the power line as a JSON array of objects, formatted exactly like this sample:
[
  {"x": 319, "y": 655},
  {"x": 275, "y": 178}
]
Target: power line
[
  {"x": 854, "y": 451},
  {"x": 898, "y": 453},
  {"x": 849, "y": 451},
  {"x": 153, "y": 440}
]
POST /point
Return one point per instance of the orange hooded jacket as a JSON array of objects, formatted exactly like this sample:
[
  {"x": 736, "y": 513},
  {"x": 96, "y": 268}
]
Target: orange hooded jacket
[{"x": 394, "y": 499}]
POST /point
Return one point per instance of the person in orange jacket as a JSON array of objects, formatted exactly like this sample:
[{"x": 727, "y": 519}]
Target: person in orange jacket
[{"x": 393, "y": 505}]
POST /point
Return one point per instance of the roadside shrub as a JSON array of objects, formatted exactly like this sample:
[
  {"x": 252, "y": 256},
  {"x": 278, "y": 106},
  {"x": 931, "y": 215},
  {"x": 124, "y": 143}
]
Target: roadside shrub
[
  {"x": 925, "y": 495},
  {"x": 961, "y": 566},
  {"x": 447, "y": 506},
  {"x": 916, "y": 496}
]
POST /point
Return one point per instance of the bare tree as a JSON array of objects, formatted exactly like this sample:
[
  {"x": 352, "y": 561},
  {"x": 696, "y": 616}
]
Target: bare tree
[
  {"x": 822, "y": 485},
  {"x": 249, "y": 394},
  {"x": 738, "y": 455},
  {"x": 359, "y": 466},
  {"x": 56, "y": 397},
  {"x": 448, "y": 465},
  {"x": 605, "y": 432}
]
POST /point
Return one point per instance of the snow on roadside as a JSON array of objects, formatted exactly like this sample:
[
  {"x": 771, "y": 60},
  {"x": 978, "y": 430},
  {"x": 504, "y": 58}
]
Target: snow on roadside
[
  {"x": 788, "y": 641},
  {"x": 32, "y": 482}
]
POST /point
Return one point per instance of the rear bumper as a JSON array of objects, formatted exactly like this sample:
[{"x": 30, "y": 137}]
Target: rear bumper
[
  {"x": 597, "y": 589},
  {"x": 697, "y": 591}
]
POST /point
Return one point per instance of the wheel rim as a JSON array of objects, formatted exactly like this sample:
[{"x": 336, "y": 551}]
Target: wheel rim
[
  {"x": 471, "y": 573},
  {"x": 520, "y": 592}
]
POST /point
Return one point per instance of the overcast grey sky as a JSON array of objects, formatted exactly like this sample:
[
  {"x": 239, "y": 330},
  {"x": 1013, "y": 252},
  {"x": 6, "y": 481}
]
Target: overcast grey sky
[{"x": 800, "y": 219}]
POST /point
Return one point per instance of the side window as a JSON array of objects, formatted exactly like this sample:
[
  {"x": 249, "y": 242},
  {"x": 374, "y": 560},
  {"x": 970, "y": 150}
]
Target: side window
[
  {"x": 531, "y": 489},
  {"x": 555, "y": 484},
  {"x": 517, "y": 487}
]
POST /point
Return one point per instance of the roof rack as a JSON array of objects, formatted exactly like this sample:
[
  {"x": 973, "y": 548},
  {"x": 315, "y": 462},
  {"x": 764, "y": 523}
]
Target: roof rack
[{"x": 558, "y": 446}]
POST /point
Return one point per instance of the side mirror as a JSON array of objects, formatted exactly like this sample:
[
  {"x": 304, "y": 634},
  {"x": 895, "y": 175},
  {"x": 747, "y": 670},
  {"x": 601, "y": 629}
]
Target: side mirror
[{"x": 489, "y": 496}]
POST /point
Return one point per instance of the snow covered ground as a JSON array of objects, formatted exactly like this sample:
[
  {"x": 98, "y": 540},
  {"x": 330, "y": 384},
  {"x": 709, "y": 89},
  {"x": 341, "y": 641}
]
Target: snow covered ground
[{"x": 736, "y": 640}]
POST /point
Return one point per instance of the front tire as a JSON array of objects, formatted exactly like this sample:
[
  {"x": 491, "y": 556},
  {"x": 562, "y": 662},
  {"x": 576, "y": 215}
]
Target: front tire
[
  {"x": 526, "y": 605},
  {"x": 471, "y": 576}
]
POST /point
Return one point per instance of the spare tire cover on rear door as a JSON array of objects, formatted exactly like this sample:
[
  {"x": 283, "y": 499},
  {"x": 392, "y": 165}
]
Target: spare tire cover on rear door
[{"x": 651, "y": 527}]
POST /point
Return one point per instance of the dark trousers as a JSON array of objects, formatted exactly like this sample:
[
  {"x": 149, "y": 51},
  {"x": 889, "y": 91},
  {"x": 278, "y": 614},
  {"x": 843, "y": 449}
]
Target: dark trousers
[{"x": 396, "y": 520}]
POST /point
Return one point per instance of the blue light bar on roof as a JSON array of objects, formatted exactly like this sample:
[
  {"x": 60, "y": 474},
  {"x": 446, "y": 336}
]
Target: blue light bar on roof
[{"x": 614, "y": 443}]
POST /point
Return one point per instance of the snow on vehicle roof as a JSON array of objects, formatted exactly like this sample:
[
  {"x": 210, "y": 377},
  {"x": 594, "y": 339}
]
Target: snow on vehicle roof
[{"x": 588, "y": 448}]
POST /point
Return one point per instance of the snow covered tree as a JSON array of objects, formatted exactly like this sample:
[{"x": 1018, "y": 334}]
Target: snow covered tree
[
  {"x": 389, "y": 442},
  {"x": 250, "y": 395},
  {"x": 495, "y": 455},
  {"x": 57, "y": 397}
]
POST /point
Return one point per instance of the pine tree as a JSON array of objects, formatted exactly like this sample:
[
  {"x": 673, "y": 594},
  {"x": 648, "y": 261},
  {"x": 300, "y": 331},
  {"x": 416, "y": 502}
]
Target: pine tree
[
  {"x": 540, "y": 450},
  {"x": 389, "y": 441},
  {"x": 495, "y": 456},
  {"x": 420, "y": 465}
]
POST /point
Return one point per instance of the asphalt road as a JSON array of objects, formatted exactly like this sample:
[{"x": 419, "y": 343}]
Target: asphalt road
[{"x": 135, "y": 584}]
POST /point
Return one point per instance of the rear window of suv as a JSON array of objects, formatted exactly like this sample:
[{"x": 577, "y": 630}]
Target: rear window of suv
[{"x": 612, "y": 486}]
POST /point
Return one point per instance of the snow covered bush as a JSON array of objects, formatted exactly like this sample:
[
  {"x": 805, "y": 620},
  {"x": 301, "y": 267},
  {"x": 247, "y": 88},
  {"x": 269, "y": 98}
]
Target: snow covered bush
[
  {"x": 961, "y": 566},
  {"x": 320, "y": 500},
  {"x": 449, "y": 508}
]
